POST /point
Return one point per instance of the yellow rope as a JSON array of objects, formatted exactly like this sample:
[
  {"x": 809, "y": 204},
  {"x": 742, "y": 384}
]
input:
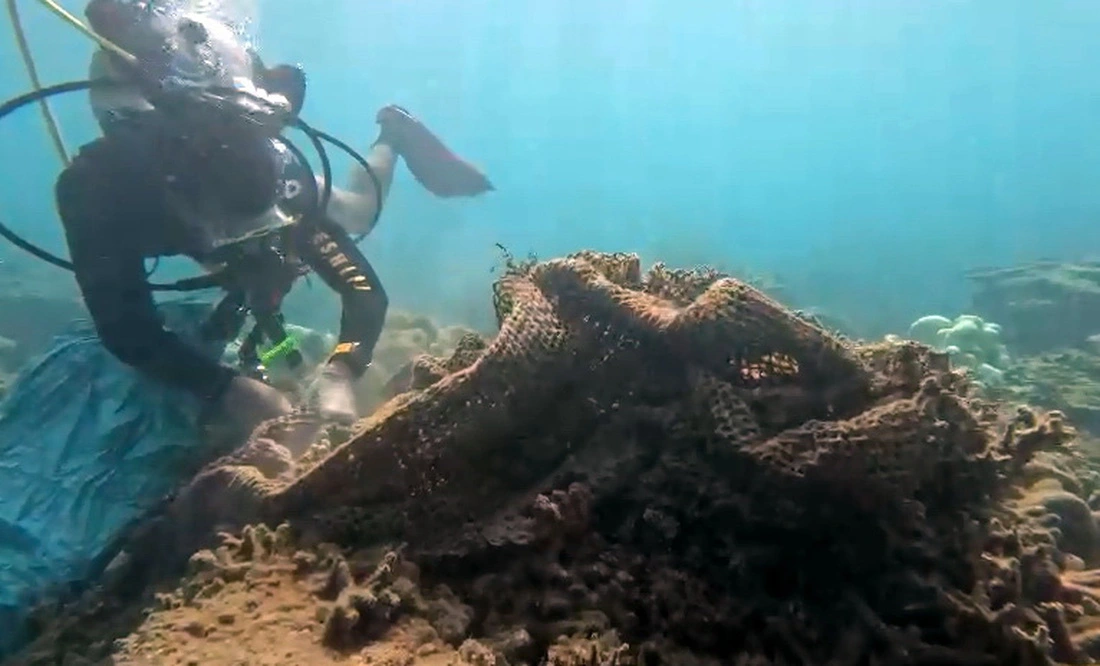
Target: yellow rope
[
  {"x": 32, "y": 72},
  {"x": 88, "y": 32}
]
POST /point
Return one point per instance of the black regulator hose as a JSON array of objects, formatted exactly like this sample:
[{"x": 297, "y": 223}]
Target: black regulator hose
[
  {"x": 316, "y": 137},
  {"x": 6, "y": 109}
]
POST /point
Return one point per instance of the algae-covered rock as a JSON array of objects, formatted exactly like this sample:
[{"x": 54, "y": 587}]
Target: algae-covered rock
[
  {"x": 31, "y": 319},
  {"x": 1067, "y": 380},
  {"x": 1044, "y": 306}
]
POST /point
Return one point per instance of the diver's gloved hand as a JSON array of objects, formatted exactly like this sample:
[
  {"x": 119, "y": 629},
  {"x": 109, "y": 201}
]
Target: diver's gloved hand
[
  {"x": 334, "y": 393},
  {"x": 247, "y": 403}
]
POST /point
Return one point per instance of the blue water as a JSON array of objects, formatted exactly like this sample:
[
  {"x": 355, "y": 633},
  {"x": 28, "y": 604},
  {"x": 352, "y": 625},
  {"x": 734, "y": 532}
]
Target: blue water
[{"x": 867, "y": 152}]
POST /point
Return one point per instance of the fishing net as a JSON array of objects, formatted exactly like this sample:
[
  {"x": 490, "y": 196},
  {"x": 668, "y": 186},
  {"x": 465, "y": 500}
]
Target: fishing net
[{"x": 672, "y": 455}]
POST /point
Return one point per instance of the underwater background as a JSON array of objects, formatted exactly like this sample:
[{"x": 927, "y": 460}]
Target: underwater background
[
  {"x": 665, "y": 470},
  {"x": 863, "y": 153}
]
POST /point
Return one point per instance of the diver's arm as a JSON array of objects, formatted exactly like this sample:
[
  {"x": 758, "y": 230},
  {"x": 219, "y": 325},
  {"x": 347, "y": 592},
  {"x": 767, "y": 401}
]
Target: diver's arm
[
  {"x": 353, "y": 211},
  {"x": 118, "y": 298},
  {"x": 111, "y": 276},
  {"x": 356, "y": 208}
]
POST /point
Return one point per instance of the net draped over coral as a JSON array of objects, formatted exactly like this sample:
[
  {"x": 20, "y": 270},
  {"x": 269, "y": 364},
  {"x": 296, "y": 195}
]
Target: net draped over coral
[{"x": 689, "y": 460}]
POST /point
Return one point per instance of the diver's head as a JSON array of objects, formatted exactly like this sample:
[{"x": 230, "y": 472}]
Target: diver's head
[
  {"x": 225, "y": 185},
  {"x": 218, "y": 151},
  {"x": 179, "y": 52},
  {"x": 169, "y": 42}
]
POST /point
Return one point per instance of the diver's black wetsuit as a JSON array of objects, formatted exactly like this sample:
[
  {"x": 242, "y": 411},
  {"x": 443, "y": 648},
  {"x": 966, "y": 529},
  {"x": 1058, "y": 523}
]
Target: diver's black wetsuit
[{"x": 113, "y": 204}]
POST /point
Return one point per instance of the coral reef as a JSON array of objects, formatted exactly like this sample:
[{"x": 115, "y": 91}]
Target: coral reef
[
  {"x": 649, "y": 468},
  {"x": 1067, "y": 380},
  {"x": 971, "y": 343},
  {"x": 1043, "y": 306}
]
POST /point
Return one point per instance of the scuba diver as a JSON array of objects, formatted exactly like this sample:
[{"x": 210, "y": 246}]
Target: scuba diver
[{"x": 185, "y": 168}]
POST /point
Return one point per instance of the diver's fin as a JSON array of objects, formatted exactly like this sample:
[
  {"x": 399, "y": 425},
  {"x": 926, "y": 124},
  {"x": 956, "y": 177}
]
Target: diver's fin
[{"x": 440, "y": 171}]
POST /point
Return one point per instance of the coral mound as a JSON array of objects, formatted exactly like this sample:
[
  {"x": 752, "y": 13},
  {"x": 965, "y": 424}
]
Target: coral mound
[
  {"x": 1066, "y": 379},
  {"x": 1042, "y": 306},
  {"x": 641, "y": 468}
]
